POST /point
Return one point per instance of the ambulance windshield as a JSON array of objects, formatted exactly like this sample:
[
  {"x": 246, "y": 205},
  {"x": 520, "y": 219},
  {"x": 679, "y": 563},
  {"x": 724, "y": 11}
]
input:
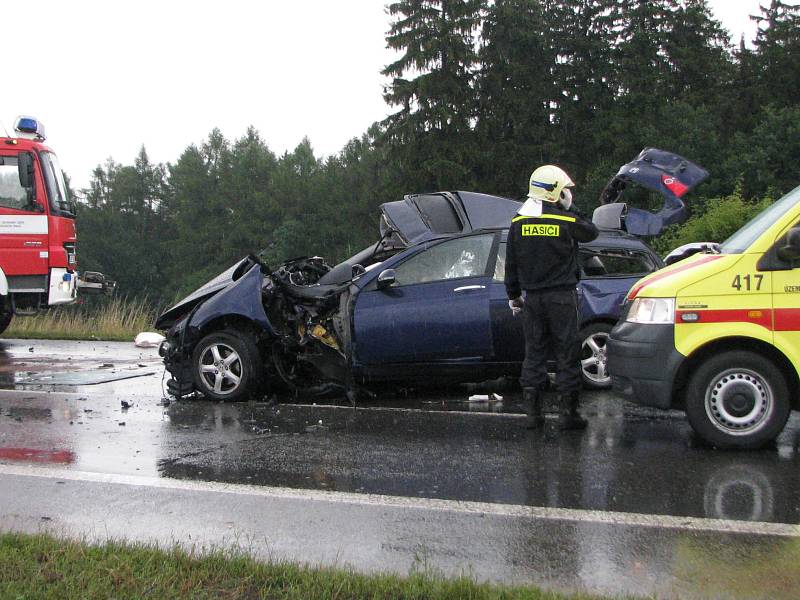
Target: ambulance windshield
[{"x": 740, "y": 241}]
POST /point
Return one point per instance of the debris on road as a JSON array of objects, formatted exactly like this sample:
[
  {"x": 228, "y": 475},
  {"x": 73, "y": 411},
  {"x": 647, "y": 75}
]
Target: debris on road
[
  {"x": 485, "y": 398},
  {"x": 148, "y": 339}
]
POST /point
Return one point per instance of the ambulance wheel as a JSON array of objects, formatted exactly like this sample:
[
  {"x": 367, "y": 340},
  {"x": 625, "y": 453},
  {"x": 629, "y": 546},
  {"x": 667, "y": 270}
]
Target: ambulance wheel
[
  {"x": 226, "y": 366},
  {"x": 594, "y": 362},
  {"x": 737, "y": 399}
]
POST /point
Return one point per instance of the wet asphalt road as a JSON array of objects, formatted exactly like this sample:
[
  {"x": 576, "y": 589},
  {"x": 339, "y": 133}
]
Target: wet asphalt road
[{"x": 632, "y": 505}]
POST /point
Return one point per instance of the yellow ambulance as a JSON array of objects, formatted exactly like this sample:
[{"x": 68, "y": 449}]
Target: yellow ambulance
[{"x": 718, "y": 334}]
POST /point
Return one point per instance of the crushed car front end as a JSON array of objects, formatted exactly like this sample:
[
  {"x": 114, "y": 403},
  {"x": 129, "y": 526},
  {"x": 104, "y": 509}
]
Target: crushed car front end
[{"x": 253, "y": 328}]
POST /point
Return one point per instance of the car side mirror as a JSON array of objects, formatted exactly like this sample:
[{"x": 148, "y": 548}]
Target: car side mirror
[
  {"x": 791, "y": 251},
  {"x": 386, "y": 279},
  {"x": 25, "y": 168}
]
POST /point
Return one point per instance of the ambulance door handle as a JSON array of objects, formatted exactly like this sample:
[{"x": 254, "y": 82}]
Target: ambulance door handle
[{"x": 469, "y": 287}]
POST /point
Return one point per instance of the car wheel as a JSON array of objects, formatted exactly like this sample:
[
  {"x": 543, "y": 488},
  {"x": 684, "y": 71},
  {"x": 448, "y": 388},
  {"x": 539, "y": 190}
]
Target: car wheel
[
  {"x": 737, "y": 399},
  {"x": 227, "y": 366},
  {"x": 594, "y": 370}
]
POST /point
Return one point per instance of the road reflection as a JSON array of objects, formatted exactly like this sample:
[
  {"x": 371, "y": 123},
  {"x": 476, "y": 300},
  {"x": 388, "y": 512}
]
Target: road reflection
[{"x": 622, "y": 463}]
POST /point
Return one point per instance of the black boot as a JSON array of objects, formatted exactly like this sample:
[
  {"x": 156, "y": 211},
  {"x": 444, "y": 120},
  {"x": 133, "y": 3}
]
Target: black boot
[
  {"x": 532, "y": 400},
  {"x": 569, "y": 417}
]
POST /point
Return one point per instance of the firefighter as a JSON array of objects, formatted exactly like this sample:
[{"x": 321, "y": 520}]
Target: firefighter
[{"x": 542, "y": 261}]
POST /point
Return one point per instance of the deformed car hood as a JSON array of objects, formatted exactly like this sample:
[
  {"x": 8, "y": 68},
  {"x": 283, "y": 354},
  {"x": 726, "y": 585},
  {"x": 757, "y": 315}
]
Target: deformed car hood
[
  {"x": 220, "y": 282},
  {"x": 420, "y": 217},
  {"x": 660, "y": 171}
]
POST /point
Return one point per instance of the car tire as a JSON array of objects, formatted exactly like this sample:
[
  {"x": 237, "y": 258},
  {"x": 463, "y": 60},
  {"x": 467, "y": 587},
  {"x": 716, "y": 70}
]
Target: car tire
[
  {"x": 227, "y": 366},
  {"x": 594, "y": 362},
  {"x": 737, "y": 399}
]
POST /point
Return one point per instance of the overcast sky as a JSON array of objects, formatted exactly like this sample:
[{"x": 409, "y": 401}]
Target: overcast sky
[{"x": 106, "y": 77}]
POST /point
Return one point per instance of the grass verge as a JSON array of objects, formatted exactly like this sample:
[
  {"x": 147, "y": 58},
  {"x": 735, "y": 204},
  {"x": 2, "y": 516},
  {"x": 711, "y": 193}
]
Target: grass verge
[
  {"x": 41, "y": 566},
  {"x": 117, "y": 319}
]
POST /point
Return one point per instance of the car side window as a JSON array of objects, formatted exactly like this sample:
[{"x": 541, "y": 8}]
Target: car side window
[
  {"x": 614, "y": 263},
  {"x": 453, "y": 259},
  {"x": 500, "y": 264}
]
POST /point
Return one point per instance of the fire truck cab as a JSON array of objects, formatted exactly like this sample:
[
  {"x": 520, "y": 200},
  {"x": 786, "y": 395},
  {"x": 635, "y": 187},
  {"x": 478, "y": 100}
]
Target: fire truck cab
[{"x": 38, "y": 264}]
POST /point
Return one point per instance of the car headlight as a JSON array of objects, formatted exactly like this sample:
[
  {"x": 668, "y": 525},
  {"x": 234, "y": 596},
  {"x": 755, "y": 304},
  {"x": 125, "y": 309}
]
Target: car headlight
[{"x": 652, "y": 310}]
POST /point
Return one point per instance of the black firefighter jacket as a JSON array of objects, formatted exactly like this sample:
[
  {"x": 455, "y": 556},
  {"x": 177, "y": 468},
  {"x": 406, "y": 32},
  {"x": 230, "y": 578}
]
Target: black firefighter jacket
[{"x": 542, "y": 252}]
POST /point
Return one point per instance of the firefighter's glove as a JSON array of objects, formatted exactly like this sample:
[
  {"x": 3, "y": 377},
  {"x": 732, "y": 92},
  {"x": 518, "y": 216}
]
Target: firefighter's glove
[
  {"x": 566, "y": 199},
  {"x": 516, "y": 305}
]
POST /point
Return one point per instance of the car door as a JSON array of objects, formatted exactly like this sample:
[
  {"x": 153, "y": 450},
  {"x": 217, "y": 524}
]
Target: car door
[
  {"x": 607, "y": 274},
  {"x": 437, "y": 311},
  {"x": 507, "y": 334}
]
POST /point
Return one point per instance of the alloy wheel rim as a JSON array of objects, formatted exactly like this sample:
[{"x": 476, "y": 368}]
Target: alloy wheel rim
[
  {"x": 221, "y": 369},
  {"x": 738, "y": 401},
  {"x": 594, "y": 359}
]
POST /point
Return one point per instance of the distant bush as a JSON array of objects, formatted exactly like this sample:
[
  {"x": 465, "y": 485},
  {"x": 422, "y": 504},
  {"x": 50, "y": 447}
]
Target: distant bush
[
  {"x": 117, "y": 319},
  {"x": 720, "y": 219}
]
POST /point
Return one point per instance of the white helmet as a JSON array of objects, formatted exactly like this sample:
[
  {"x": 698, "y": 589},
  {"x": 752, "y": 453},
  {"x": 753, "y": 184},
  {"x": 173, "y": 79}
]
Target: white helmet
[{"x": 548, "y": 182}]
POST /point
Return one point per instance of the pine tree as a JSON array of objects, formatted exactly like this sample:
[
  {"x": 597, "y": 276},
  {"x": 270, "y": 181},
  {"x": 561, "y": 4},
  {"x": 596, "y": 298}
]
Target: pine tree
[
  {"x": 778, "y": 54},
  {"x": 584, "y": 33},
  {"x": 515, "y": 91},
  {"x": 437, "y": 46}
]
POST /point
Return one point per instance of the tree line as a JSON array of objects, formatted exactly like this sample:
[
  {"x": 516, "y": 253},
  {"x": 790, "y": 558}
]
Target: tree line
[{"x": 482, "y": 92}]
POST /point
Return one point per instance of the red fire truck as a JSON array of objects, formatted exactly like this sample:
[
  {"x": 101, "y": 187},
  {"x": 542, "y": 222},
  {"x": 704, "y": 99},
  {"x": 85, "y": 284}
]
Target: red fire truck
[{"x": 38, "y": 265}]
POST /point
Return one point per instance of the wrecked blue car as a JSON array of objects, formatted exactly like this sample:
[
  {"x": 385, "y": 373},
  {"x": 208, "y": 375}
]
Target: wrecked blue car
[{"x": 424, "y": 305}]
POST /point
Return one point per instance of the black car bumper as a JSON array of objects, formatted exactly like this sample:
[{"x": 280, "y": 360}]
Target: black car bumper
[{"x": 644, "y": 363}]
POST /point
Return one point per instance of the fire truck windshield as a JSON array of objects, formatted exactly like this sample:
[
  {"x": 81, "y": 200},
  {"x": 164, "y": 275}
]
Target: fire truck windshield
[{"x": 60, "y": 202}]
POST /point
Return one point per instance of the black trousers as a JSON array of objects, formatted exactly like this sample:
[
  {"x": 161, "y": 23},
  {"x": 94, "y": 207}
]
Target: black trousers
[{"x": 550, "y": 322}]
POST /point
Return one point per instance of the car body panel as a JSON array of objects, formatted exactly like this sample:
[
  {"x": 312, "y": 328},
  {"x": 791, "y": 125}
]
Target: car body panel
[
  {"x": 428, "y": 322},
  {"x": 242, "y": 298},
  {"x": 665, "y": 173},
  {"x": 422, "y": 217},
  {"x": 217, "y": 284}
]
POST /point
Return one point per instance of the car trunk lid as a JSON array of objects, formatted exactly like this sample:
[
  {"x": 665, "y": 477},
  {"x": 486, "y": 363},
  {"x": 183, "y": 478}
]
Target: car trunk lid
[{"x": 666, "y": 173}]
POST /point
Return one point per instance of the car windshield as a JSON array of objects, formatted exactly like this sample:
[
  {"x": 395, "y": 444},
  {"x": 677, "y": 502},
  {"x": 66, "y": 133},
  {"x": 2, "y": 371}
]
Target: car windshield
[{"x": 740, "y": 241}]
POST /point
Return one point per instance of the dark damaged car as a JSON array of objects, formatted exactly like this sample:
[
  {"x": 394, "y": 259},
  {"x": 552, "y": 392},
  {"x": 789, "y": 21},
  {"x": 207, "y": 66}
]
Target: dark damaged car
[{"x": 424, "y": 305}]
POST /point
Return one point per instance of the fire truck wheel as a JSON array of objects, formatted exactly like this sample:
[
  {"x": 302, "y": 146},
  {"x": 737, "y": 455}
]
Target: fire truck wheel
[
  {"x": 737, "y": 399},
  {"x": 5, "y": 320},
  {"x": 227, "y": 366}
]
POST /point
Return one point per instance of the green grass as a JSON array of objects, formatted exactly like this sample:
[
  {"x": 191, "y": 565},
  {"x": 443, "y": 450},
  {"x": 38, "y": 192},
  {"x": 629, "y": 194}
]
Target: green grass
[
  {"x": 40, "y": 566},
  {"x": 117, "y": 319}
]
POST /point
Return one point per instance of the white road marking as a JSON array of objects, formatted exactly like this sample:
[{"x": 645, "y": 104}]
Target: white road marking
[{"x": 456, "y": 506}]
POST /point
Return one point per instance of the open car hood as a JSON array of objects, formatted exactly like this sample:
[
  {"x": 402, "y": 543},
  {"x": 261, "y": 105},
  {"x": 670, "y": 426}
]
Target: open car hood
[
  {"x": 665, "y": 173},
  {"x": 420, "y": 217}
]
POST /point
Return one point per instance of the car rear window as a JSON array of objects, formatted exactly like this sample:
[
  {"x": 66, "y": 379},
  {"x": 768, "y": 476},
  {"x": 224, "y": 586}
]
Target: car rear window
[{"x": 439, "y": 214}]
